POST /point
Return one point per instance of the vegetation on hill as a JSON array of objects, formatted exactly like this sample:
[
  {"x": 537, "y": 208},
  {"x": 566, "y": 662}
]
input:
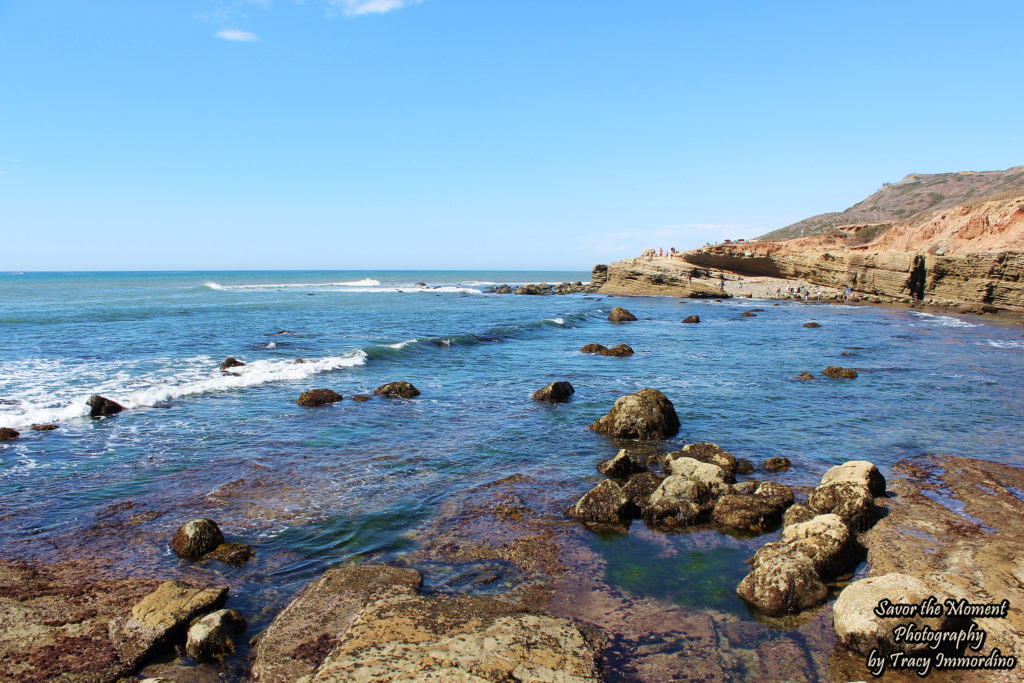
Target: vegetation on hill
[{"x": 915, "y": 194}]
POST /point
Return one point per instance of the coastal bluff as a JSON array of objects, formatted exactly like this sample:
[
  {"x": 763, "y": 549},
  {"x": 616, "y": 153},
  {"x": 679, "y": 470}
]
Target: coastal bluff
[{"x": 971, "y": 255}]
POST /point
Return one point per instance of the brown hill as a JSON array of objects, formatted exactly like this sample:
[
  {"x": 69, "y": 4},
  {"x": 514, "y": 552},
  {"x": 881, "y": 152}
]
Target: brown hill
[{"x": 911, "y": 199}]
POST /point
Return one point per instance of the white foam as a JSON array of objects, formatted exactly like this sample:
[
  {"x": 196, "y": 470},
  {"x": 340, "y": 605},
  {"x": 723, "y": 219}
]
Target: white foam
[
  {"x": 365, "y": 282},
  {"x": 212, "y": 285},
  {"x": 1006, "y": 343},
  {"x": 271, "y": 345},
  {"x": 944, "y": 320},
  {"x": 402, "y": 344},
  {"x": 49, "y": 390},
  {"x": 557, "y": 321}
]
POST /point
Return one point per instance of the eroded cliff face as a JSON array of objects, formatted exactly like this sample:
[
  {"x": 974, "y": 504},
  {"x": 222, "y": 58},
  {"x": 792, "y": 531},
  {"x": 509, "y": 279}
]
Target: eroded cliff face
[
  {"x": 644, "y": 276},
  {"x": 970, "y": 254}
]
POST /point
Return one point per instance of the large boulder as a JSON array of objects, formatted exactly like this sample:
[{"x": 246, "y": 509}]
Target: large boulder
[
  {"x": 712, "y": 476},
  {"x": 212, "y": 638},
  {"x": 647, "y": 414},
  {"x": 747, "y": 512},
  {"x": 860, "y": 629},
  {"x": 593, "y": 348},
  {"x": 839, "y": 373},
  {"x": 812, "y": 324},
  {"x": 102, "y": 406},
  {"x": 678, "y": 501},
  {"x": 621, "y": 466},
  {"x": 603, "y": 504},
  {"x": 539, "y": 289},
  {"x": 556, "y": 392},
  {"x": 397, "y": 390},
  {"x": 798, "y": 513},
  {"x": 196, "y": 538},
  {"x": 825, "y": 541},
  {"x": 785, "y": 586},
  {"x": 857, "y": 471},
  {"x": 706, "y": 452},
  {"x": 850, "y": 500},
  {"x": 780, "y": 494},
  {"x": 231, "y": 362},
  {"x": 639, "y": 488},
  {"x": 618, "y": 351},
  {"x": 8, "y": 434},
  {"x": 620, "y": 315},
  {"x": 235, "y": 554},
  {"x": 805, "y": 375},
  {"x": 776, "y": 464},
  {"x": 691, "y": 319},
  {"x": 318, "y": 397}
]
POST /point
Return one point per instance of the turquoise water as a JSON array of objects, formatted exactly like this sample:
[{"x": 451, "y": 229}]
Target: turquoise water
[{"x": 309, "y": 488}]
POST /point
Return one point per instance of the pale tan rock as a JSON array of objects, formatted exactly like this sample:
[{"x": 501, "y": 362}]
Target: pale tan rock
[
  {"x": 857, "y": 471},
  {"x": 858, "y": 627}
]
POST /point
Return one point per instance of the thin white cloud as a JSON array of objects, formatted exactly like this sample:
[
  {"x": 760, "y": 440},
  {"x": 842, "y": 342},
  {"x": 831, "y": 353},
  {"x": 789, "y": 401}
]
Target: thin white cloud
[
  {"x": 236, "y": 35},
  {"x": 355, "y": 8}
]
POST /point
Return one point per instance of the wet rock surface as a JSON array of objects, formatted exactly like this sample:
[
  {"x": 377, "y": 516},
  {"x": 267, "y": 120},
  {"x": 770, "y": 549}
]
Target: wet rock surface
[
  {"x": 100, "y": 406},
  {"x": 8, "y": 434},
  {"x": 620, "y": 315},
  {"x": 212, "y": 638},
  {"x": 618, "y": 351},
  {"x": 196, "y": 538},
  {"x": 861, "y": 630},
  {"x": 621, "y": 466},
  {"x": 812, "y": 324},
  {"x": 647, "y": 414},
  {"x": 231, "y": 362},
  {"x": 776, "y": 464},
  {"x": 397, "y": 390},
  {"x": 603, "y": 504},
  {"x": 692, "y": 319},
  {"x": 556, "y": 392},
  {"x": 749, "y": 512},
  {"x": 837, "y": 372},
  {"x": 49, "y": 427},
  {"x": 318, "y": 397}
]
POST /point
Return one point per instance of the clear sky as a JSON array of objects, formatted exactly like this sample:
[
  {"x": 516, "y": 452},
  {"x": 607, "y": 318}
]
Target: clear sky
[{"x": 352, "y": 134}]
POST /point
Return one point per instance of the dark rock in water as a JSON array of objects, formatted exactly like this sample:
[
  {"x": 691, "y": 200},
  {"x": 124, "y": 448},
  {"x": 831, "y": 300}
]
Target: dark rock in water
[
  {"x": 281, "y": 332},
  {"x": 8, "y": 434},
  {"x": 777, "y": 464},
  {"x": 618, "y": 351},
  {"x": 805, "y": 375},
  {"x": 397, "y": 390},
  {"x": 838, "y": 372},
  {"x": 851, "y": 501},
  {"x": 757, "y": 310},
  {"x": 101, "y": 406},
  {"x": 620, "y": 315},
  {"x": 318, "y": 397},
  {"x": 231, "y": 362},
  {"x": 603, "y": 504},
  {"x": 777, "y": 493},
  {"x": 420, "y": 284},
  {"x": 747, "y": 512},
  {"x": 500, "y": 289},
  {"x": 196, "y": 538},
  {"x": 359, "y": 398},
  {"x": 859, "y": 472},
  {"x": 847, "y": 353},
  {"x": 746, "y": 487},
  {"x": 534, "y": 290},
  {"x": 798, "y": 513},
  {"x": 234, "y": 554},
  {"x": 300, "y": 361},
  {"x": 706, "y": 452},
  {"x": 647, "y": 414},
  {"x": 678, "y": 502},
  {"x": 744, "y": 466},
  {"x": 594, "y": 348},
  {"x": 748, "y": 314},
  {"x": 49, "y": 427},
  {"x": 161, "y": 618},
  {"x": 691, "y": 319},
  {"x": 556, "y": 392},
  {"x": 811, "y": 324},
  {"x": 212, "y": 637},
  {"x": 640, "y": 487},
  {"x": 621, "y": 466}
]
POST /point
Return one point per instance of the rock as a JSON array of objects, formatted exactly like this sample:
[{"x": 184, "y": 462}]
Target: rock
[
  {"x": 231, "y": 362},
  {"x": 302, "y": 635},
  {"x": 860, "y": 472},
  {"x": 647, "y": 414},
  {"x": 747, "y": 512},
  {"x": 777, "y": 493},
  {"x": 620, "y": 315},
  {"x": 786, "y": 586},
  {"x": 234, "y": 554},
  {"x": 776, "y": 464},
  {"x": 420, "y": 284},
  {"x": 397, "y": 390},
  {"x": 161, "y": 618},
  {"x": 706, "y": 452},
  {"x": 603, "y": 504},
  {"x": 678, "y": 501},
  {"x": 8, "y": 434},
  {"x": 318, "y": 397},
  {"x": 41, "y": 428},
  {"x": 300, "y": 361},
  {"x": 360, "y": 398},
  {"x": 621, "y": 466},
  {"x": 712, "y": 476},
  {"x": 196, "y": 538},
  {"x": 500, "y": 289},
  {"x": 691, "y": 319},
  {"x": 102, "y": 406},
  {"x": 851, "y": 501},
  {"x": 744, "y": 466},
  {"x": 746, "y": 487},
  {"x": 839, "y": 373},
  {"x": 798, "y": 513},
  {"x": 212, "y": 638},
  {"x": 811, "y": 324},
  {"x": 534, "y": 289},
  {"x": 618, "y": 351},
  {"x": 748, "y": 314},
  {"x": 639, "y": 488},
  {"x": 824, "y": 540},
  {"x": 594, "y": 348},
  {"x": 556, "y": 392},
  {"x": 858, "y": 627},
  {"x": 805, "y": 375}
]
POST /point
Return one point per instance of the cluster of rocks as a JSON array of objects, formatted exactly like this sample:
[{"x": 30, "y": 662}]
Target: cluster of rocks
[
  {"x": 201, "y": 539},
  {"x": 833, "y": 371},
  {"x": 543, "y": 288},
  {"x": 818, "y": 541},
  {"x": 321, "y": 397},
  {"x": 617, "y": 351}
]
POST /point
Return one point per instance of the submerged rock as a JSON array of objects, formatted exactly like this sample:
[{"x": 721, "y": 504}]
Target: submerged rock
[
  {"x": 811, "y": 324},
  {"x": 621, "y": 466},
  {"x": 603, "y": 504},
  {"x": 776, "y": 464},
  {"x": 620, "y": 315},
  {"x": 8, "y": 434},
  {"x": 102, "y": 406},
  {"x": 231, "y": 362},
  {"x": 744, "y": 466},
  {"x": 556, "y": 392},
  {"x": 235, "y": 554},
  {"x": 691, "y": 319},
  {"x": 212, "y": 637},
  {"x": 49, "y": 427},
  {"x": 840, "y": 373},
  {"x": 196, "y": 538},
  {"x": 647, "y": 414},
  {"x": 857, "y": 626},
  {"x": 318, "y": 397},
  {"x": 805, "y": 375},
  {"x": 397, "y": 390},
  {"x": 748, "y": 314},
  {"x": 360, "y": 398}
]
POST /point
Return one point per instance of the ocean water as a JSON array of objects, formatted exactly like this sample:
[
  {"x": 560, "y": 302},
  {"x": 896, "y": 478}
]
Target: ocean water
[{"x": 309, "y": 488}]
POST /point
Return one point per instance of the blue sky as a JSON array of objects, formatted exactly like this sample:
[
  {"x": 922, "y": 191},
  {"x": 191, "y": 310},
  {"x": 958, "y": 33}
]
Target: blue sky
[{"x": 475, "y": 133}]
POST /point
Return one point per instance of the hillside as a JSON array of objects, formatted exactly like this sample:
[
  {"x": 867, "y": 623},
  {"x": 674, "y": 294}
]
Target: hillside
[{"x": 915, "y": 196}]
